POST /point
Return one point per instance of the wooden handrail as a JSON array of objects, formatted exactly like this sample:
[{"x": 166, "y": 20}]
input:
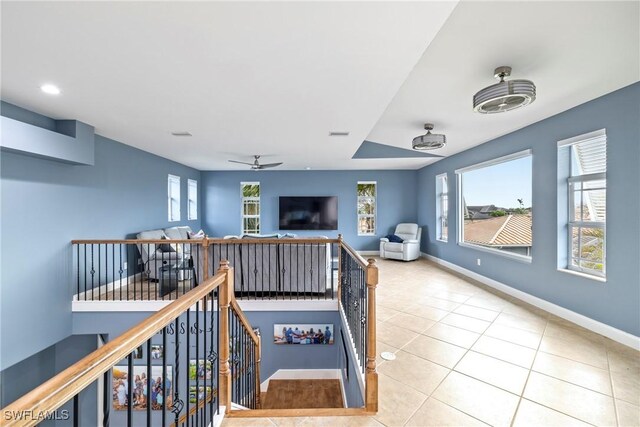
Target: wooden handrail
[
  {"x": 58, "y": 390},
  {"x": 273, "y": 241},
  {"x": 217, "y": 240},
  {"x": 136, "y": 241},
  {"x": 359, "y": 259}
]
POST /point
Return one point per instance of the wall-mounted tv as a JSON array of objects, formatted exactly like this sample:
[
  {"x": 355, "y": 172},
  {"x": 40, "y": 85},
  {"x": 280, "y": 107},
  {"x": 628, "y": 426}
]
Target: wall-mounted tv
[{"x": 309, "y": 213}]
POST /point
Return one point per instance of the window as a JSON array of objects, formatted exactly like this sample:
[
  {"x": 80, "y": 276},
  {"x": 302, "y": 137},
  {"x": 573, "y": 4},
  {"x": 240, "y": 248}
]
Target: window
[
  {"x": 586, "y": 159},
  {"x": 250, "y": 207},
  {"x": 495, "y": 209},
  {"x": 192, "y": 197},
  {"x": 174, "y": 198},
  {"x": 442, "y": 208},
  {"x": 366, "y": 208}
]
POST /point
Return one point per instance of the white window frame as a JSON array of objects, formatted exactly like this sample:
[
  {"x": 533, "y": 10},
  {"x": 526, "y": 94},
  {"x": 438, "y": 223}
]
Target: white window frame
[
  {"x": 442, "y": 207},
  {"x": 571, "y": 222},
  {"x": 460, "y": 196},
  {"x": 375, "y": 208},
  {"x": 173, "y": 179},
  {"x": 192, "y": 199},
  {"x": 251, "y": 200}
]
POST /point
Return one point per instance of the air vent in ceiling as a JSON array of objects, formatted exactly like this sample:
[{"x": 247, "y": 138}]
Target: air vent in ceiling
[
  {"x": 181, "y": 133},
  {"x": 338, "y": 133}
]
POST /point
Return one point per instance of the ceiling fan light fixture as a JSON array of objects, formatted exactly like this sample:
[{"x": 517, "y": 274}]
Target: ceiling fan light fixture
[
  {"x": 429, "y": 141},
  {"x": 504, "y": 95}
]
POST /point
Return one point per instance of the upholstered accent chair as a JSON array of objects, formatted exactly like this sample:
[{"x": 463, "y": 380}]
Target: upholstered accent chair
[{"x": 409, "y": 249}]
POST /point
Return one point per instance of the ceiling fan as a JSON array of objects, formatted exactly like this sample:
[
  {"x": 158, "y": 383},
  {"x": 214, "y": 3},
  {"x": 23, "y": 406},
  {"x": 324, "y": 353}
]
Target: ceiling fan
[{"x": 256, "y": 164}]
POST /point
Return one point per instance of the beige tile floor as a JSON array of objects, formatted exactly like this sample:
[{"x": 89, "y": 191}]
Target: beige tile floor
[{"x": 467, "y": 355}]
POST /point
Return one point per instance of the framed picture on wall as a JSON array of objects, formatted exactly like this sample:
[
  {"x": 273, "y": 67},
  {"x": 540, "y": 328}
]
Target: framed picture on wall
[
  {"x": 139, "y": 393},
  {"x": 303, "y": 334}
]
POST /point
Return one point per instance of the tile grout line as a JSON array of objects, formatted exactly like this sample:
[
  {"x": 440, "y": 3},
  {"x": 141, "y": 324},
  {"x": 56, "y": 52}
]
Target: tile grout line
[
  {"x": 613, "y": 393},
  {"x": 529, "y": 375}
]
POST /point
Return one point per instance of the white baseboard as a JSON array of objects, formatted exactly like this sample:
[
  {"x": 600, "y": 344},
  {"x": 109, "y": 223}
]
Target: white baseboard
[
  {"x": 615, "y": 334},
  {"x": 288, "y": 305},
  {"x": 217, "y": 418},
  {"x": 369, "y": 253},
  {"x": 306, "y": 374}
]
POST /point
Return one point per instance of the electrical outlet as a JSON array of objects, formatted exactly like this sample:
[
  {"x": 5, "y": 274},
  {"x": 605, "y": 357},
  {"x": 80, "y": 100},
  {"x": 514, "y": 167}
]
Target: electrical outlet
[
  {"x": 124, "y": 266},
  {"x": 479, "y": 262}
]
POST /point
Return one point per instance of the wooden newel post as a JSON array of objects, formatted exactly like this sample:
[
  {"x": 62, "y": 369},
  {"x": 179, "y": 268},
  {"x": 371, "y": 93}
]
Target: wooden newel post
[
  {"x": 371, "y": 384},
  {"x": 258, "y": 360},
  {"x": 205, "y": 258},
  {"x": 225, "y": 290}
]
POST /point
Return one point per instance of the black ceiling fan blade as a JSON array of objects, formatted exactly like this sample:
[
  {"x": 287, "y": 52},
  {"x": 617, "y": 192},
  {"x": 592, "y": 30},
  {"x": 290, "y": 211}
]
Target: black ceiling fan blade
[
  {"x": 270, "y": 165},
  {"x": 242, "y": 163}
]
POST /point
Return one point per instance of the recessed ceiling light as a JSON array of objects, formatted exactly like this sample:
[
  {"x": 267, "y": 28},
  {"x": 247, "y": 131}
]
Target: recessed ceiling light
[
  {"x": 181, "y": 133},
  {"x": 336, "y": 133},
  {"x": 50, "y": 89},
  {"x": 308, "y": 168}
]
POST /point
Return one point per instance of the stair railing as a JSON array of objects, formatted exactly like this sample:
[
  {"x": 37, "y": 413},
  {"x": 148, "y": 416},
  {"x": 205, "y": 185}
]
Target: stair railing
[
  {"x": 357, "y": 284},
  {"x": 200, "y": 315}
]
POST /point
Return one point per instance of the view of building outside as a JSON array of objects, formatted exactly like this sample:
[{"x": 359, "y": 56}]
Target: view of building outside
[{"x": 497, "y": 208}]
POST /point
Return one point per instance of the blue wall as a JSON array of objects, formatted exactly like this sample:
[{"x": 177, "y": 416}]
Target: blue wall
[
  {"x": 396, "y": 200},
  {"x": 615, "y": 302},
  {"x": 279, "y": 356},
  {"x": 46, "y": 204},
  {"x": 33, "y": 371}
]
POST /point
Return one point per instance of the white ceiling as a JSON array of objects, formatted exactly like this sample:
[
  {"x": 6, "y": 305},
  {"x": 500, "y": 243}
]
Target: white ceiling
[
  {"x": 573, "y": 51},
  {"x": 274, "y": 78}
]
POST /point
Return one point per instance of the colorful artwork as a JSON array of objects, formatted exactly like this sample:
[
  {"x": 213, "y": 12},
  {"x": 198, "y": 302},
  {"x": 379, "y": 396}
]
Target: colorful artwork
[
  {"x": 156, "y": 352},
  {"x": 200, "y": 397},
  {"x": 139, "y": 392},
  {"x": 303, "y": 334},
  {"x": 197, "y": 367}
]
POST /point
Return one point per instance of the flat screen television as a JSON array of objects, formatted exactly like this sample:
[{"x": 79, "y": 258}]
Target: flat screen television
[{"x": 309, "y": 213}]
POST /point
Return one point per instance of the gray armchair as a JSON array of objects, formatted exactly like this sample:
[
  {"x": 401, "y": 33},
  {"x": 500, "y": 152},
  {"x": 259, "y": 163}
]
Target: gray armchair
[{"x": 409, "y": 249}]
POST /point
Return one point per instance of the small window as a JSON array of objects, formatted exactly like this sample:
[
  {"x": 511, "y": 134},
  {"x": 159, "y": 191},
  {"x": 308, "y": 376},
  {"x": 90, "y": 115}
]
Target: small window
[
  {"x": 586, "y": 187},
  {"x": 366, "y": 208},
  {"x": 442, "y": 208},
  {"x": 495, "y": 209},
  {"x": 192, "y": 197},
  {"x": 174, "y": 198},
  {"x": 250, "y": 207}
]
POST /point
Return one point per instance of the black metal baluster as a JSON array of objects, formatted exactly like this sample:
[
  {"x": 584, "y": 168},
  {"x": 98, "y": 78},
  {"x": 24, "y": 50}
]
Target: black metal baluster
[
  {"x": 99, "y": 271},
  {"x": 76, "y": 412},
  {"x": 269, "y": 284},
  {"x": 78, "y": 267},
  {"x": 163, "y": 382},
  {"x": 85, "y": 271},
  {"x": 198, "y": 360},
  {"x": 204, "y": 357},
  {"x": 135, "y": 270},
  {"x": 122, "y": 270},
  {"x": 187, "y": 363},
  {"x": 255, "y": 272},
  {"x": 106, "y": 401},
  {"x": 304, "y": 263},
  {"x": 149, "y": 375},
  {"x": 216, "y": 372},
  {"x": 93, "y": 272},
  {"x": 113, "y": 272},
  {"x": 130, "y": 390},
  {"x": 177, "y": 403}
]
